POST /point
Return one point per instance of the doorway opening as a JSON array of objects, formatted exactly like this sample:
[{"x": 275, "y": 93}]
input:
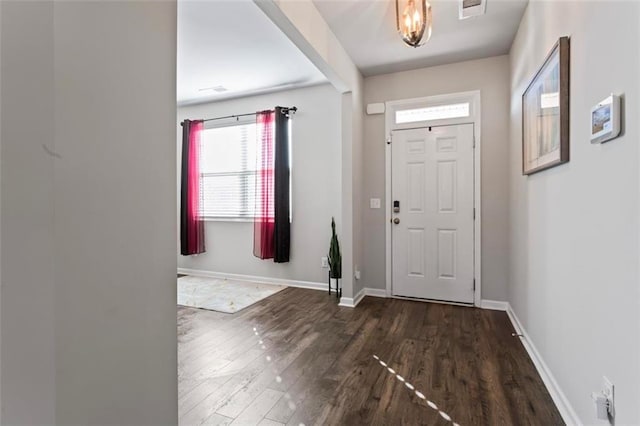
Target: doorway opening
[{"x": 433, "y": 206}]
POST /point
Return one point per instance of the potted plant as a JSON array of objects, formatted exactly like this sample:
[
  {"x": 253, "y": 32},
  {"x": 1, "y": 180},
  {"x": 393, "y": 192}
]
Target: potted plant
[{"x": 335, "y": 260}]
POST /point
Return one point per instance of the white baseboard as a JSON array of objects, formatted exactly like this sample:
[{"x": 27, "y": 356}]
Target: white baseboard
[
  {"x": 494, "y": 305},
  {"x": 566, "y": 410},
  {"x": 349, "y": 302},
  {"x": 267, "y": 280},
  {"x": 375, "y": 292},
  {"x": 353, "y": 302},
  {"x": 346, "y": 302}
]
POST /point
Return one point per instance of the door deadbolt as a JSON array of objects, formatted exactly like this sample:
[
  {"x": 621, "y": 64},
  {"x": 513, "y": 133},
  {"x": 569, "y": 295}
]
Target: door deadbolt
[{"x": 396, "y": 220}]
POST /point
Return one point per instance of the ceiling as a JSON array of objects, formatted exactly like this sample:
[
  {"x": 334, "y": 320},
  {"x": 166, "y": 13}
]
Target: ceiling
[
  {"x": 234, "y": 45},
  {"x": 367, "y": 30}
]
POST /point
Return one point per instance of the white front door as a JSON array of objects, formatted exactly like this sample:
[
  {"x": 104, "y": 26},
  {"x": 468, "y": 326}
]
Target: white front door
[{"x": 432, "y": 174}]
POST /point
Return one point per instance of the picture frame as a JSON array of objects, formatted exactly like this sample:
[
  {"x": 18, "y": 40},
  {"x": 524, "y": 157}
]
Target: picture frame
[{"x": 545, "y": 113}]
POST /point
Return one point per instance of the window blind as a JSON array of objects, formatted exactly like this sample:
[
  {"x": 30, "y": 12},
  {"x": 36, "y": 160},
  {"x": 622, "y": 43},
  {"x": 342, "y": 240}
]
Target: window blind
[{"x": 228, "y": 171}]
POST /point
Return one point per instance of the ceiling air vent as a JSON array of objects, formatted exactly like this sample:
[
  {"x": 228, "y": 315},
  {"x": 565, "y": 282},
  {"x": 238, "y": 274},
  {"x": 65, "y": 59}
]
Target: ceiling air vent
[
  {"x": 218, "y": 89},
  {"x": 471, "y": 8}
]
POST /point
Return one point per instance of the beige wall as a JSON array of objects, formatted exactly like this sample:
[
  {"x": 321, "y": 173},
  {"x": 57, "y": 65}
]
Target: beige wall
[
  {"x": 27, "y": 322},
  {"x": 574, "y": 280},
  {"x": 315, "y": 179},
  {"x": 491, "y": 77},
  {"x": 88, "y": 169}
]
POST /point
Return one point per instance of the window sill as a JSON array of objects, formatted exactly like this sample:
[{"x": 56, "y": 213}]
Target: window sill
[{"x": 229, "y": 219}]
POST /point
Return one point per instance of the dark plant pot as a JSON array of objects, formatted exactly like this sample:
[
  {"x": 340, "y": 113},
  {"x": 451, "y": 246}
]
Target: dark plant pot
[{"x": 334, "y": 284}]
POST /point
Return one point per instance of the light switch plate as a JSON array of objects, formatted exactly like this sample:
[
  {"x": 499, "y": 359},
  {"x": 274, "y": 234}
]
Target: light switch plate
[{"x": 374, "y": 203}]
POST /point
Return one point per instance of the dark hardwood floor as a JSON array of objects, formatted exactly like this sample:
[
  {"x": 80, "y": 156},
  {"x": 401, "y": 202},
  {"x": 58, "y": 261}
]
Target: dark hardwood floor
[{"x": 311, "y": 362}]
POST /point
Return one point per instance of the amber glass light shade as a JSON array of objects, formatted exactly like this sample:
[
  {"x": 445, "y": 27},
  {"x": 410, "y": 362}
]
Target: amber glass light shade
[{"x": 413, "y": 20}]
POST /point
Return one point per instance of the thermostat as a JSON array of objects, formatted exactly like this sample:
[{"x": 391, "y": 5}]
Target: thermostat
[{"x": 605, "y": 120}]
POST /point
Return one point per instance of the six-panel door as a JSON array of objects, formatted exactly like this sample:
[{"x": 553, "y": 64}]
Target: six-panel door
[{"x": 432, "y": 233}]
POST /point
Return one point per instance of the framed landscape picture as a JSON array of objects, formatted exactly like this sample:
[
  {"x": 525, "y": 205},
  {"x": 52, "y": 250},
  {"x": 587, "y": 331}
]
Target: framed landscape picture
[{"x": 545, "y": 113}]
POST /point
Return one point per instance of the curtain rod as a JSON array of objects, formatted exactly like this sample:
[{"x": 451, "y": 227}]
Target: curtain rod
[{"x": 284, "y": 110}]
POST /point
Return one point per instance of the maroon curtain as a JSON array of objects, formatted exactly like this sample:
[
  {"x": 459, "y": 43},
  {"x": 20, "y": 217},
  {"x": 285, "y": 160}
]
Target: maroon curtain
[
  {"x": 282, "y": 185},
  {"x": 264, "y": 222},
  {"x": 191, "y": 221}
]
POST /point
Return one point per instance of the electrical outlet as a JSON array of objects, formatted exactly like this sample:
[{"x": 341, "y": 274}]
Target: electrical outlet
[
  {"x": 601, "y": 405},
  {"x": 324, "y": 262},
  {"x": 608, "y": 392},
  {"x": 604, "y": 401}
]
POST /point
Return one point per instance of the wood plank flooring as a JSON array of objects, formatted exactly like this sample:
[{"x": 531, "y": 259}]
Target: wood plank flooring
[{"x": 312, "y": 362}]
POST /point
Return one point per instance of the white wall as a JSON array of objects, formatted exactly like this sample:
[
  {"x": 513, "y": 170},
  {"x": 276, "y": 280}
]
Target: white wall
[
  {"x": 574, "y": 280},
  {"x": 316, "y": 192},
  {"x": 88, "y": 285},
  {"x": 306, "y": 28},
  {"x": 358, "y": 198},
  {"x": 491, "y": 77},
  {"x": 352, "y": 187}
]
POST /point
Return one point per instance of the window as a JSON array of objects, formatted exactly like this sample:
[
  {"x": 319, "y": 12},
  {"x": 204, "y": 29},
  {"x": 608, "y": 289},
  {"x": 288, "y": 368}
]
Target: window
[
  {"x": 440, "y": 112},
  {"x": 228, "y": 171}
]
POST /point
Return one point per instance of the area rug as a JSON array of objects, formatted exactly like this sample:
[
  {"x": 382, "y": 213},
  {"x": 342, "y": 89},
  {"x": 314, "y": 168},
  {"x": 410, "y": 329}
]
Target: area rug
[{"x": 222, "y": 295}]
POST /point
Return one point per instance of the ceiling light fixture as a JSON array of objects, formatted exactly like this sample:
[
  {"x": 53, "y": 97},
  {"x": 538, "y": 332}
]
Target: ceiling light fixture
[{"x": 413, "y": 20}]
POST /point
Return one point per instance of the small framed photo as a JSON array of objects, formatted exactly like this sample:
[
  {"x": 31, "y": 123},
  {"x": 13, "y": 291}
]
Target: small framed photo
[
  {"x": 605, "y": 119},
  {"x": 545, "y": 113}
]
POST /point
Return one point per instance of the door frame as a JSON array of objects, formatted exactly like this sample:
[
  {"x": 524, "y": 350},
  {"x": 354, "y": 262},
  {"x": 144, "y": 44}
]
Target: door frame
[{"x": 473, "y": 97}]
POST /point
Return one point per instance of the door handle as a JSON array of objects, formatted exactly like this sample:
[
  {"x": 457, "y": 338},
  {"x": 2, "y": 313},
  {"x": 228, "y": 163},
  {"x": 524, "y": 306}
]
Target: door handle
[{"x": 396, "y": 220}]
